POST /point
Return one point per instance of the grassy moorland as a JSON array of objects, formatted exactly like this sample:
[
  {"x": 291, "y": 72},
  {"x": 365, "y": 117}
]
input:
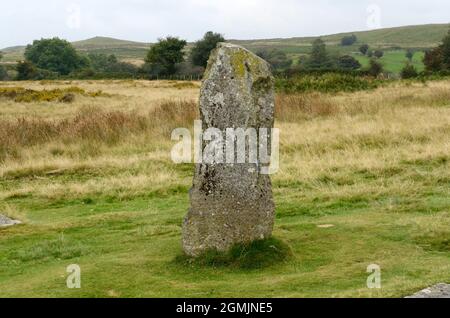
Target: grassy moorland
[{"x": 364, "y": 179}]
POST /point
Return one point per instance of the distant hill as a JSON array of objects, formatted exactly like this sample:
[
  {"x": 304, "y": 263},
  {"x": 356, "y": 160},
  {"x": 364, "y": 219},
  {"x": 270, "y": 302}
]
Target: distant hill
[
  {"x": 417, "y": 36},
  {"x": 105, "y": 42}
]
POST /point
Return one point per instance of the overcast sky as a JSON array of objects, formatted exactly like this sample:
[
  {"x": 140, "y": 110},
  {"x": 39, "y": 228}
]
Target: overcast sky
[{"x": 146, "y": 20}]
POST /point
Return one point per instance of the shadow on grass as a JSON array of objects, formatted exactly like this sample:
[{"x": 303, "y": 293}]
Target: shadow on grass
[{"x": 255, "y": 255}]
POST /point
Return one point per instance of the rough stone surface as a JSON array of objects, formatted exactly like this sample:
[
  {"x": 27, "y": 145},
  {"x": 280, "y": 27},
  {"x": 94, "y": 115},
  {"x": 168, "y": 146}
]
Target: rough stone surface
[
  {"x": 231, "y": 204},
  {"x": 5, "y": 221},
  {"x": 437, "y": 291}
]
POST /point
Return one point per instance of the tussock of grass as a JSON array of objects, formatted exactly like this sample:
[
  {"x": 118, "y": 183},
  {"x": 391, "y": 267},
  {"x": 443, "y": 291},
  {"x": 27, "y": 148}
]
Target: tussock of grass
[
  {"x": 59, "y": 248},
  {"x": 255, "y": 255}
]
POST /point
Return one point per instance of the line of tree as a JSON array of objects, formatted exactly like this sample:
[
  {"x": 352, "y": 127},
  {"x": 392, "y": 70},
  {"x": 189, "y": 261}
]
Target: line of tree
[
  {"x": 321, "y": 60},
  {"x": 55, "y": 58}
]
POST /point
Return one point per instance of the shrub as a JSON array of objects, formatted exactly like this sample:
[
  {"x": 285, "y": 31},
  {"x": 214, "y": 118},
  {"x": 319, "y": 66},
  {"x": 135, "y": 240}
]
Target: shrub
[
  {"x": 327, "y": 83},
  {"x": 409, "y": 54},
  {"x": 348, "y": 62},
  {"x": 375, "y": 68},
  {"x": 349, "y": 40},
  {"x": 3, "y": 74},
  {"x": 433, "y": 60},
  {"x": 276, "y": 58},
  {"x": 378, "y": 54},
  {"x": 364, "y": 49},
  {"x": 409, "y": 71}
]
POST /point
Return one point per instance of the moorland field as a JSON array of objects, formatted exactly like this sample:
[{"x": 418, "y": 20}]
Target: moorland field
[{"x": 85, "y": 165}]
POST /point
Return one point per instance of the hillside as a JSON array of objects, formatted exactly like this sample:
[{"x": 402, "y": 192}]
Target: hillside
[{"x": 396, "y": 39}]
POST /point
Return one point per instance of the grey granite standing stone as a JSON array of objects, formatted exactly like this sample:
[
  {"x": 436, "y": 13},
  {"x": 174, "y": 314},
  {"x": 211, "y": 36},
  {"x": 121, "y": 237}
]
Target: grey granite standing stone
[{"x": 232, "y": 203}]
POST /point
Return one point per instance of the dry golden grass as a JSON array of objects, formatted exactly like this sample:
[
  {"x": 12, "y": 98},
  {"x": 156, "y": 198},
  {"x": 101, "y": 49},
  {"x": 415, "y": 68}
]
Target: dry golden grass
[{"x": 320, "y": 134}]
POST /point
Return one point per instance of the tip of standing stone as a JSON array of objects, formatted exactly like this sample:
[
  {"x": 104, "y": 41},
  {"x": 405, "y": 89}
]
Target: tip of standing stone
[{"x": 241, "y": 60}]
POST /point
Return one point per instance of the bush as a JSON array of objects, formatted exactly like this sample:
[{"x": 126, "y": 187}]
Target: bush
[
  {"x": 276, "y": 58},
  {"x": 28, "y": 71},
  {"x": 348, "y": 62},
  {"x": 378, "y": 54},
  {"x": 349, "y": 40},
  {"x": 3, "y": 74},
  {"x": 409, "y": 54},
  {"x": 364, "y": 49},
  {"x": 109, "y": 65},
  {"x": 327, "y": 83},
  {"x": 409, "y": 71},
  {"x": 375, "y": 68}
]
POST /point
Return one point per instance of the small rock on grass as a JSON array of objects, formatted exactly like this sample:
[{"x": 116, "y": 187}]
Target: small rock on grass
[
  {"x": 6, "y": 221},
  {"x": 436, "y": 291}
]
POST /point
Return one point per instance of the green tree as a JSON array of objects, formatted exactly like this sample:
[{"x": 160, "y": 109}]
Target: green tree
[
  {"x": 26, "y": 71},
  {"x": 433, "y": 60},
  {"x": 109, "y": 64},
  {"x": 276, "y": 58},
  {"x": 445, "y": 47},
  {"x": 409, "y": 71},
  {"x": 349, "y": 40},
  {"x": 163, "y": 57},
  {"x": 3, "y": 73},
  {"x": 364, "y": 49},
  {"x": 375, "y": 68},
  {"x": 378, "y": 54},
  {"x": 202, "y": 49},
  {"x": 347, "y": 62},
  {"x": 54, "y": 55},
  {"x": 409, "y": 54},
  {"x": 319, "y": 58}
]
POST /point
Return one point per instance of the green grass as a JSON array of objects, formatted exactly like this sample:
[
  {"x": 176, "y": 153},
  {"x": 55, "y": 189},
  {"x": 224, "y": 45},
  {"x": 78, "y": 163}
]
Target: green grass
[
  {"x": 364, "y": 179},
  {"x": 394, "y": 61},
  {"x": 131, "y": 248}
]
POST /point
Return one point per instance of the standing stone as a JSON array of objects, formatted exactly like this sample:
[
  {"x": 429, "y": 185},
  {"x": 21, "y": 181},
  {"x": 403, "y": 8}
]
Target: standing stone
[{"x": 232, "y": 203}]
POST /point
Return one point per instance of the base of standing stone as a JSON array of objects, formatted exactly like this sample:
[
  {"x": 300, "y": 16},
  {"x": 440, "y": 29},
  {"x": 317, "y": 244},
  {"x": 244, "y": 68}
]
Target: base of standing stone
[{"x": 215, "y": 223}]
